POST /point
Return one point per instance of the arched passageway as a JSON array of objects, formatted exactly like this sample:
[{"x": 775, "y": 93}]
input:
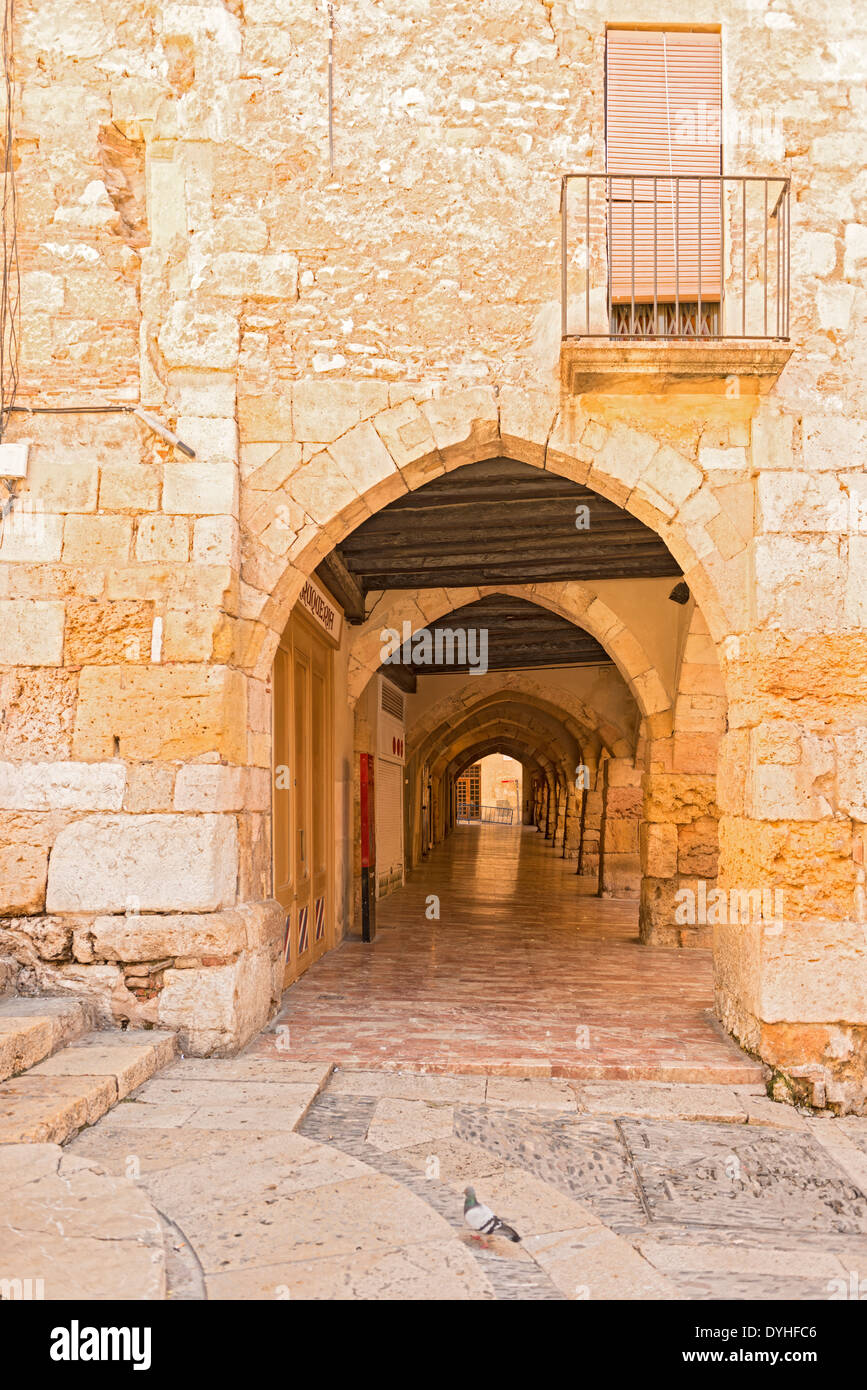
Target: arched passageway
[{"x": 497, "y": 610}]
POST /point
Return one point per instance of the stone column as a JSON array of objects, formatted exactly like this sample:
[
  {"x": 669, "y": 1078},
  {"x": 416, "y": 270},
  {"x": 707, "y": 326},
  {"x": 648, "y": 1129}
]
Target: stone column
[{"x": 621, "y": 868}]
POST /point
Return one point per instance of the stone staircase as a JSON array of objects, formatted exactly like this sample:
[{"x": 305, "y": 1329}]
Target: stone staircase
[{"x": 58, "y": 1074}]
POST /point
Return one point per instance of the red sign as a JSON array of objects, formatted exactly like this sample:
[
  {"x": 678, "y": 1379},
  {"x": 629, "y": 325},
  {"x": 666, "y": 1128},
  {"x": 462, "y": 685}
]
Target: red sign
[{"x": 368, "y": 850}]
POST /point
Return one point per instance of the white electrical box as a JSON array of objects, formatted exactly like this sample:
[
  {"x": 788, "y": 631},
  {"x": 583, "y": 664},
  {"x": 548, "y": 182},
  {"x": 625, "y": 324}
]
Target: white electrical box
[{"x": 13, "y": 460}]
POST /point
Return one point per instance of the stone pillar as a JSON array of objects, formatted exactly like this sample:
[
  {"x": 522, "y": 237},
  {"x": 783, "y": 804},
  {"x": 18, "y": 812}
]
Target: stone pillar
[
  {"x": 621, "y": 868},
  {"x": 792, "y": 985}
]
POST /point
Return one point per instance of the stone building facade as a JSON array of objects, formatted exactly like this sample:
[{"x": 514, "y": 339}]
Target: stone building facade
[{"x": 331, "y": 327}]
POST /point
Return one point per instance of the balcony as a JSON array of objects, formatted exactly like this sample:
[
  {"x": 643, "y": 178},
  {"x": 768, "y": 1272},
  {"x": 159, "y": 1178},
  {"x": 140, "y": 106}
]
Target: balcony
[{"x": 674, "y": 280}]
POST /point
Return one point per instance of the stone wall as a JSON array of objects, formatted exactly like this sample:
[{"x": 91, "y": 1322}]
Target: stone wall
[{"x": 326, "y": 338}]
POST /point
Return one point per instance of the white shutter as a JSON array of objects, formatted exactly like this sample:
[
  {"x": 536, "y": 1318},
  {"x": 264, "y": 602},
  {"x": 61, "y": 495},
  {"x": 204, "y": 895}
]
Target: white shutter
[
  {"x": 663, "y": 116},
  {"x": 389, "y": 819}
]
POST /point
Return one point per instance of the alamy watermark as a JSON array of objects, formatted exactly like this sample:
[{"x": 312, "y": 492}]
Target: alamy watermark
[
  {"x": 700, "y": 906},
  {"x": 440, "y": 646}
]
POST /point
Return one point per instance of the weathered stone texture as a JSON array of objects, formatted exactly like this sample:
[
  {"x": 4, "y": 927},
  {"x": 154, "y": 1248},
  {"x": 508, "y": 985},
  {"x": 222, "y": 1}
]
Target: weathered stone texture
[{"x": 325, "y": 340}]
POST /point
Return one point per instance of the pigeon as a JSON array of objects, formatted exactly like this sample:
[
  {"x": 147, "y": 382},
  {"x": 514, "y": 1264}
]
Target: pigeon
[{"x": 482, "y": 1220}]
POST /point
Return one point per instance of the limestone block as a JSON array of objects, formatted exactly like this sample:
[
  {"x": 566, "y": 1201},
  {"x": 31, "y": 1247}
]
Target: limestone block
[
  {"x": 698, "y": 848},
  {"x": 99, "y": 634},
  {"x": 156, "y": 712},
  {"x": 162, "y": 540},
  {"x": 31, "y": 536},
  {"x": 671, "y": 476},
  {"x": 145, "y": 936},
  {"x": 63, "y": 478},
  {"x": 104, "y": 863},
  {"x": 855, "y": 596},
  {"x": 650, "y": 692},
  {"x": 324, "y": 410},
  {"x": 855, "y": 254},
  {"x": 526, "y": 421},
  {"x": 800, "y": 582},
  {"x": 659, "y": 849},
  {"x": 216, "y": 1010},
  {"x": 832, "y": 441},
  {"x": 571, "y": 448},
  {"x": 851, "y": 751},
  {"x": 23, "y": 874},
  {"x": 101, "y": 985},
  {"x": 320, "y": 489},
  {"x": 205, "y": 393},
  {"x": 785, "y": 793},
  {"x": 772, "y": 439},
  {"x": 834, "y": 306},
  {"x": 729, "y": 459},
  {"x": 621, "y": 837},
  {"x": 128, "y": 487},
  {"x": 816, "y": 252},
  {"x": 678, "y": 798},
  {"x": 251, "y": 275},
  {"x": 150, "y": 787},
  {"x": 203, "y": 489},
  {"x": 62, "y": 786},
  {"x": 188, "y": 338},
  {"x": 814, "y": 972},
  {"x": 810, "y": 862},
  {"x": 361, "y": 455},
  {"x": 625, "y": 455},
  {"x": 216, "y": 541},
  {"x": 269, "y": 417},
  {"x": 31, "y": 632},
  {"x": 189, "y": 634},
  {"x": 215, "y": 440},
  {"x": 96, "y": 540},
  {"x": 790, "y": 501},
  {"x": 466, "y": 423},
  {"x": 209, "y": 787}
]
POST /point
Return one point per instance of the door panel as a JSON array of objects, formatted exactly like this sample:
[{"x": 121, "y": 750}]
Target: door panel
[{"x": 302, "y": 804}]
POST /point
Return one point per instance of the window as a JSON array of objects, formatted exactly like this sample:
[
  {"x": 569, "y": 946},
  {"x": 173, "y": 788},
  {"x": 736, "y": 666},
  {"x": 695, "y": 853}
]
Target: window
[{"x": 663, "y": 116}]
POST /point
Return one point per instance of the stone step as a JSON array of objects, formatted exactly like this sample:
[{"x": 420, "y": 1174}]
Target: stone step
[
  {"x": 59, "y": 1096},
  {"x": 31, "y": 1029}
]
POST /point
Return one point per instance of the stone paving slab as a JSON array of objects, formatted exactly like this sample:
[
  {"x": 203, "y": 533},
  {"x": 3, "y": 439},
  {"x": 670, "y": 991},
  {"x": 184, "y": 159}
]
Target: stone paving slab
[
  {"x": 47, "y": 1109},
  {"x": 530, "y": 1093},
  {"x": 708, "y": 1258},
  {"x": 453, "y": 1161},
  {"x": 592, "y": 1262},
  {"x": 31, "y": 1029},
  {"x": 85, "y": 1234},
  {"x": 280, "y": 1068},
  {"x": 656, "y": 1098},
  {"x": 176, "y": 1091},
  {"x": 399, "y": 1124},
  {"x": 367, "y": 1212},
  {"x": 439, "y": 1270},
  {"x": 407, "y": 1085},
  {"x": 746, "y": 1177},
  {"x": 131, "y": 1058}
]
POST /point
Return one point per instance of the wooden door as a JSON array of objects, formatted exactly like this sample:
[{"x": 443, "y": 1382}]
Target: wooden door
[{"x": 303, "y": 790}]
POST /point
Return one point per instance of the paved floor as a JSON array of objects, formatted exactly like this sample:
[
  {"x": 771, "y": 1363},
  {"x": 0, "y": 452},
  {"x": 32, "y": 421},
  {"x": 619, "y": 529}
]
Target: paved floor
[
  {"x": 643, "y": 1161},
  {"x": 521, "y": 972},
  {"x": 281, "y": 1180}
]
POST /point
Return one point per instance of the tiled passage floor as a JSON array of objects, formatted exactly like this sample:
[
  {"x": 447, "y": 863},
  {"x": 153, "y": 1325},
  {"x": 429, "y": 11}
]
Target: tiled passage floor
[{"x": 521, "y": 973}]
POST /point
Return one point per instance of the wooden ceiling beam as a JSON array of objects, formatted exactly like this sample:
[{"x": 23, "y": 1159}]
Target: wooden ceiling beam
[{"x": 343, "y": 584}]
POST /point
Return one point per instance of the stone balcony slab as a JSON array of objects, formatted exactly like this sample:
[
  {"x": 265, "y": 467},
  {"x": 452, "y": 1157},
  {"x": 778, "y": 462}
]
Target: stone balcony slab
[{"x": 626, "y": 367}]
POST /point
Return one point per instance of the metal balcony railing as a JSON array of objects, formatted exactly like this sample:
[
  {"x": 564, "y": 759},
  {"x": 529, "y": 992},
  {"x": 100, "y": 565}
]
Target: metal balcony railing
[{"x": 675, "y": 256}]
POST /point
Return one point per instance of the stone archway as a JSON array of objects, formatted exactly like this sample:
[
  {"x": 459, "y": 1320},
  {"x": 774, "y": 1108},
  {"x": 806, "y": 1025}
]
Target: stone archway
[{"x": 376, "y": 455}]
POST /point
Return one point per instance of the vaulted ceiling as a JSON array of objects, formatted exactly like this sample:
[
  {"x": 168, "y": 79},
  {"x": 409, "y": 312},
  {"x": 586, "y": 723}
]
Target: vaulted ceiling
[
  {"x": 519, "y": 636},
  {"x": 499, "y": 521}
]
